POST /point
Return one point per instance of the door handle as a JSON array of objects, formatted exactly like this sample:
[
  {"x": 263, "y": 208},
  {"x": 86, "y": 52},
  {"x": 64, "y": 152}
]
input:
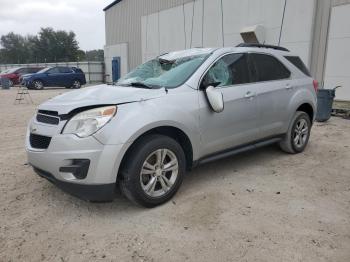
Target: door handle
[{"x": 249, "y": 94}]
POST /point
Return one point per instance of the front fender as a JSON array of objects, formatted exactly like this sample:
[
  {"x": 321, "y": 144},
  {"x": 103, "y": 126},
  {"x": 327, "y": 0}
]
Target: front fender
[{"x": 134, "y": 119}]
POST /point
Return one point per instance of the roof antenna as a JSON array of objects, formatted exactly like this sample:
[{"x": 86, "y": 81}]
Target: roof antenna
[{"x": 282, "y": 22}]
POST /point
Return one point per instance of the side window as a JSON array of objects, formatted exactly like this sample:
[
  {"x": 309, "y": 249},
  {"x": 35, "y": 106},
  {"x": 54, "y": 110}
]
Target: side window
[
  {"x": 21, "y": 71},
  {"x": 54, "y": 70},
  {"x": 33, "y": 70},
  {"x": 268, "y": 68},
  {"x": 65, "y": 70},
  {"x": 229, "y": 70},
  {"x": 296, "y": 61}
]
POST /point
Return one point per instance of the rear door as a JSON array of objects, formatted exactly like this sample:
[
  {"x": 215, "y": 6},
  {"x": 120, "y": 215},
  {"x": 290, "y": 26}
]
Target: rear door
[
  {"x": 237, "y": 124},
  {"x": 67, "y": 75},
  {"x": 274, "y": 89}
]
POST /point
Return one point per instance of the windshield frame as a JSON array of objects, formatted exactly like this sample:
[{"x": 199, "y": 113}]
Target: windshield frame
[{"x": 206, "y": 56}]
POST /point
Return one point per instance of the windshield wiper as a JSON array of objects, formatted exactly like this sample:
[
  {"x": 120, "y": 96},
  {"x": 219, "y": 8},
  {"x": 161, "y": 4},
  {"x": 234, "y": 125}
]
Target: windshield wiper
[{"x": 139, "y": 85}]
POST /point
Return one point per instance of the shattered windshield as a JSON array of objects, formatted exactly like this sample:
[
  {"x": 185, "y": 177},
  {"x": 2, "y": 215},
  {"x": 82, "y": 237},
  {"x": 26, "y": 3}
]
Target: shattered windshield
[{"x": 165, "y": 71}]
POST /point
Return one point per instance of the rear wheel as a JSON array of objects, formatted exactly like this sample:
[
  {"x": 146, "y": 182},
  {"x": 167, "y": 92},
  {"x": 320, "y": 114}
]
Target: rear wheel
[
  {"x": 298, "y": 134},
  {"x": 38, "y": 85},
  {"x": 76, "y": 84},
  {"x": 10, "y": 83},
  {"x": 153, "y": 171}
]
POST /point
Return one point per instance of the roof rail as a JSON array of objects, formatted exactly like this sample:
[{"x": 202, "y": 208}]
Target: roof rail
[{"x": 263, "y": 46}]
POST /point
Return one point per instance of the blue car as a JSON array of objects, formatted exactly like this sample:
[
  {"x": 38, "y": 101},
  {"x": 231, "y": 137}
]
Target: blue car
[{"x": 59, "y": 76}]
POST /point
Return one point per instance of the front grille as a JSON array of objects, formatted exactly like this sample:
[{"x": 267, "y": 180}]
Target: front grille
[
  {"x": 48, "y": 117},
  {"x": 48, "y": 112},
  {"x": 39, "y": 142}
]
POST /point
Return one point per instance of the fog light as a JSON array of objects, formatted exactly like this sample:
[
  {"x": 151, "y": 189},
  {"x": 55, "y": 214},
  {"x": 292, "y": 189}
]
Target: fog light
[{"x": 79, "y": 168}]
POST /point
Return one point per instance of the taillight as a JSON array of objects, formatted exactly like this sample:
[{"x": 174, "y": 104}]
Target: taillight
[{"x": 315, "y": 82}]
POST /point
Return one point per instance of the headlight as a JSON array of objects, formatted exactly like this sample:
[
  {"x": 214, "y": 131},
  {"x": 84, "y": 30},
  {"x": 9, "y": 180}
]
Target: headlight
[{"x": 89, "y": 122}]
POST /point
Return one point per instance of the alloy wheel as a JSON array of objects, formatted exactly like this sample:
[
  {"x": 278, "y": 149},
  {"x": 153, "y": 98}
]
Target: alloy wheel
[
  {"x": 301, "y": 133},
  {"x": 38, "y": 85},
  {"x": 76, "y": 84},
  {"x": 159, "y": 173}
]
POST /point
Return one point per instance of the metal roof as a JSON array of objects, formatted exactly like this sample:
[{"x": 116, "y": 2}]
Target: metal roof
[{"x": 111, "y": 4}]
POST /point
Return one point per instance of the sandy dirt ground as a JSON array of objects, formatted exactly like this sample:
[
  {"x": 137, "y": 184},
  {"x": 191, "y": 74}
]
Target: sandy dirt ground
[{"x": 259, "y": 206}]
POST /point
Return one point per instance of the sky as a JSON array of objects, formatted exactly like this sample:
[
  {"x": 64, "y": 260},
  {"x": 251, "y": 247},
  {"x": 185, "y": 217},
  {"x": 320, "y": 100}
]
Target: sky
[{"x": 84, "y": 17}]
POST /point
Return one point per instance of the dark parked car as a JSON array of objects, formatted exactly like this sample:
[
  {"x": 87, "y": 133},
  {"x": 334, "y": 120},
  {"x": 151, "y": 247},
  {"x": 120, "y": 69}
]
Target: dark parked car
[
  {"x": 69, "y": 77},
  {"x": 14, "y": 74}
]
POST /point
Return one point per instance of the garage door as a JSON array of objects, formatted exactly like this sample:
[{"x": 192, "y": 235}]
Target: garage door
[{"x": 338, "y": 54}]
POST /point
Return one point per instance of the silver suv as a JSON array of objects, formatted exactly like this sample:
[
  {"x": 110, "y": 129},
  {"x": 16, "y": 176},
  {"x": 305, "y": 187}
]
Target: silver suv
[{"x": 169, "y": 115}]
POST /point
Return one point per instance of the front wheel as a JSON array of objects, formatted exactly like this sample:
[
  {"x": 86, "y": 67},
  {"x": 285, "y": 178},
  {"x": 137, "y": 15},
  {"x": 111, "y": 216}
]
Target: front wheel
[
  {"x": 298, "y": 134},
  {"x": 38, "y": 85},
  {"x": 153, "y": 171}
]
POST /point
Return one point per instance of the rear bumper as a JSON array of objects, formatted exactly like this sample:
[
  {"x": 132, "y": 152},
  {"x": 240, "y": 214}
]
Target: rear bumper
[{"x": 94, "y": 193}]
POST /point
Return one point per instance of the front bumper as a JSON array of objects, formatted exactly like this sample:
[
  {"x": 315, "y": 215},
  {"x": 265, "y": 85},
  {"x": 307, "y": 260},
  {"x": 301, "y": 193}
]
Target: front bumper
[
  {"x": 95, "y": 193},
  {"x": 66, "y": 152}
]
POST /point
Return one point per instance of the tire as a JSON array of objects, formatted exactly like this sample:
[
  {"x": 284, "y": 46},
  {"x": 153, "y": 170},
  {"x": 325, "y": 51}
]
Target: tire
[
  {"x": 297, "y": 137},
  {"x": 38, "y": 85},
  {"x": 76, "y": 84},
  {"x": 11, "y": 83},
  {"x": 152, "y": 187}
]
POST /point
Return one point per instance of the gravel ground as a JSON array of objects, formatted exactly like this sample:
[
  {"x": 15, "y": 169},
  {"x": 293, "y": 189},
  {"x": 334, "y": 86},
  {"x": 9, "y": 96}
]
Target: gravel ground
[{"x": 259, "y": 206}]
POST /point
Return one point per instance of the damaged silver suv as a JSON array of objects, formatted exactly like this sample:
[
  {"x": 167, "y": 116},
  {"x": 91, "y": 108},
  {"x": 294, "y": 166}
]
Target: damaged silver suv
[{"x": 168, "y": 115}]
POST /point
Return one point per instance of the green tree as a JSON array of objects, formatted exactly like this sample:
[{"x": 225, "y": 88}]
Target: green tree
[
  {"x": 95, "y": 55},
  {"x": 48, "y": 46},
  {"x": 14, "y": 48},
  {"x": 56, "y": 46}
]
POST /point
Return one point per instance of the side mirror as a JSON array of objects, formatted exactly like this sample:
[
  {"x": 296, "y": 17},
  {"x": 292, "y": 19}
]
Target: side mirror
[{"x": 215, "y": 99}]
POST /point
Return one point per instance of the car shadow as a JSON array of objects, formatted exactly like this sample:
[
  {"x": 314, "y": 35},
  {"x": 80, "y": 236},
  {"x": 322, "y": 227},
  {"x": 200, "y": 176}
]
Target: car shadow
[{"x": 194, "y": 181}]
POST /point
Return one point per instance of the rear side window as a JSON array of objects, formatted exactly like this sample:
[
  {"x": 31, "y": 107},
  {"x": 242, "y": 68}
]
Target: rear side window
[
  {"x": 78, "y": 70},
  {"x": 65, "y": 70},
  {"x": 268, "y": 68},
  {"x": 295, "y": 60},
  {"x": 21, "y": 71}
]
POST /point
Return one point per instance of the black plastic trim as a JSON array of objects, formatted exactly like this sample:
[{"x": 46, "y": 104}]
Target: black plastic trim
[
  {"x": 238, "y": 149},
  {"x": 79, "y": 168},
  {"x": 263, "y": 46},
  {"x": 93, "y": 193}
]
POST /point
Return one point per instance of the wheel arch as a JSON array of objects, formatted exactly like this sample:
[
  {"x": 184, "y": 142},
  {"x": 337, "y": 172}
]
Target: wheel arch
[
  {"x": 173, "y": 132},
  {"x": 308, "y": 109},
  {"x": 39, "y": 79}
]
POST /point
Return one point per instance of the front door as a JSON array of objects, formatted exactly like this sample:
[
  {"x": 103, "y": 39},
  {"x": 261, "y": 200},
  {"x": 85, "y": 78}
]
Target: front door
[{"x": 237, "y": 124}]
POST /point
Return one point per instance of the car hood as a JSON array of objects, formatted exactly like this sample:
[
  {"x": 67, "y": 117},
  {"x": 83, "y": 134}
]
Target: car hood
[
  {"x": 99, "y": 95},
  {"x": 7, "y": 75}
]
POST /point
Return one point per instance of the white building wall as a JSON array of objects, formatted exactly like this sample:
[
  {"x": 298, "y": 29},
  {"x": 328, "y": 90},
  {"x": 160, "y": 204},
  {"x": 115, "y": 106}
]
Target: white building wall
[
  {"x": 298, "y": 27},
  {"x": 216, "y": 23},
  {"x": 119, "y": 50},
  {"x": 338, "y": 55}
]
